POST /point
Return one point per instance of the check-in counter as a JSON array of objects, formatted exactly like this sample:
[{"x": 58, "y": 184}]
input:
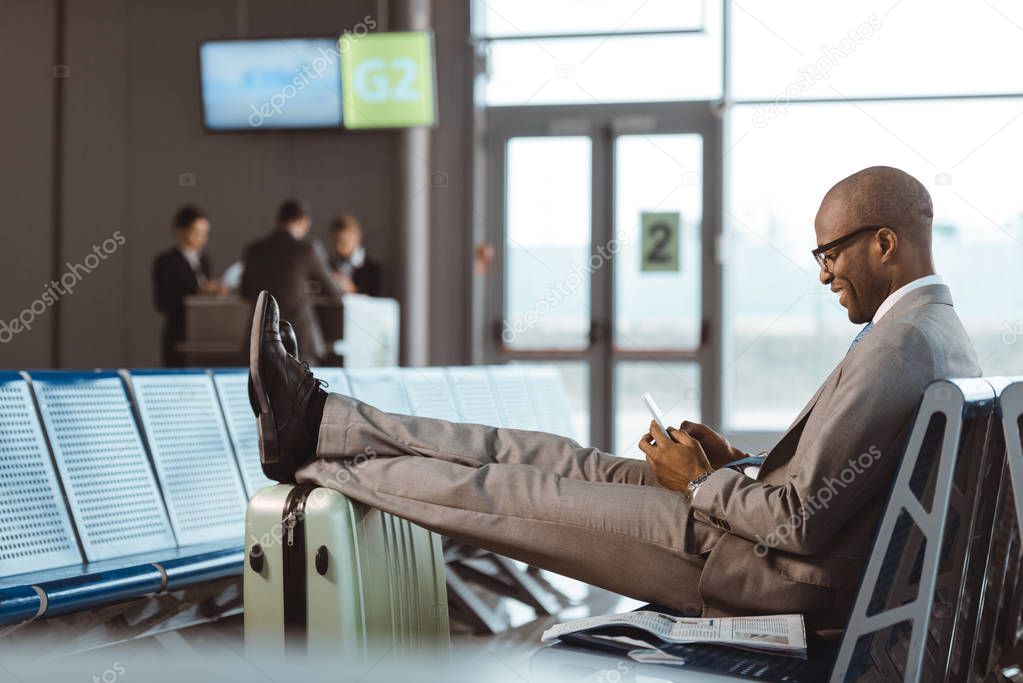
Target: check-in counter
[{"x": 361, "y": 331}]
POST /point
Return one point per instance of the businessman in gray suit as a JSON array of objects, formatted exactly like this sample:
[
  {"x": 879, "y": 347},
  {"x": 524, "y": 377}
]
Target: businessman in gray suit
[{"x": 682, "y": 529}]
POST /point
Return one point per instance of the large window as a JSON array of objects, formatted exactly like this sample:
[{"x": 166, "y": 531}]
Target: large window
[
  {"x": 810, "y": 92},
  {"x": 599, "y": 51},
  {"x": 875, "y": 48},
  {"x": 788, "y": 331},
  {"x": 908, "y": 85}
]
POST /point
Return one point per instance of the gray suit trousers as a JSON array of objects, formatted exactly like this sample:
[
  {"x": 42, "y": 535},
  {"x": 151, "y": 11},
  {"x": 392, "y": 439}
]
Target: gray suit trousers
[{"x": 535, "y": 497}]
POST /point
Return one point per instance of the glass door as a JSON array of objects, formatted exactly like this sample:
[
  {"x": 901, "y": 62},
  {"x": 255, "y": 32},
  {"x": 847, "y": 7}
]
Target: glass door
[
  {"x": 604, "y": 261},
  {"x": 658, "y": 281}
]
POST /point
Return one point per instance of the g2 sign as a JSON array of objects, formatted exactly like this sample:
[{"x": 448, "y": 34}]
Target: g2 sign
[
  {"x": 380, "y": 80},
  {"x": 387, "y": 80}
]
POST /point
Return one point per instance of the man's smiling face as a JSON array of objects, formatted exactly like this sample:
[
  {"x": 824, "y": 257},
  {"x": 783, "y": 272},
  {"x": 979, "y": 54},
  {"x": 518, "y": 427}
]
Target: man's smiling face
[{"x": 854, "y": 271}]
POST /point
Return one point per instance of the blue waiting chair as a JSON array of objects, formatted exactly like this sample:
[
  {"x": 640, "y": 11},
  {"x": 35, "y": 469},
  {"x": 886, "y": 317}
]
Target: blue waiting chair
[{"x": 98, "y": 499}]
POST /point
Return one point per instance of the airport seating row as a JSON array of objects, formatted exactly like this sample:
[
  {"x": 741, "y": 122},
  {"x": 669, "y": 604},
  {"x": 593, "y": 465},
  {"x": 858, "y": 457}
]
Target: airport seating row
[
  {"x": 940, "y": 598},
  {"x": 117, "y": 485},
  {"x": 120, "y": 485}
]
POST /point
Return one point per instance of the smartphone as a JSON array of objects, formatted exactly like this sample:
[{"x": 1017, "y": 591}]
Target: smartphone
[{"x": 655, "y": 412}]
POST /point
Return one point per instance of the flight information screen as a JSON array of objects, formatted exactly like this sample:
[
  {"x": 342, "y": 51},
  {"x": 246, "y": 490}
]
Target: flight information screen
[{"x": 263, "y": 84}]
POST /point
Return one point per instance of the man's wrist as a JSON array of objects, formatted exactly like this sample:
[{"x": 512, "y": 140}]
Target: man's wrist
[{"x": 694, "y": 485}]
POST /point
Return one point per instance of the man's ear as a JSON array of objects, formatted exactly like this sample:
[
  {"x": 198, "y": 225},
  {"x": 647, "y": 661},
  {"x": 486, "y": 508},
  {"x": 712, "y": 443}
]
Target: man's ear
[{"x": 888, "y": 241}]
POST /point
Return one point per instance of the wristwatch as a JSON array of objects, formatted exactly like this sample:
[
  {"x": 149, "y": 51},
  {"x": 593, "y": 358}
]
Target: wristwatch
[{"x": 694, "y": 485}]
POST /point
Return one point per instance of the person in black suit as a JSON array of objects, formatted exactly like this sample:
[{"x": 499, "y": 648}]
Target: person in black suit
[
  {"x": 294, "y": 271},
  {"x": 182, "y": 270},
  {"x": 354, "y": 272}
]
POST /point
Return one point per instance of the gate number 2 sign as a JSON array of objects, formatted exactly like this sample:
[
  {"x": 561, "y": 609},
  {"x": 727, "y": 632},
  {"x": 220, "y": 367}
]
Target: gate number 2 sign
[{"x": 660, "y": 242}]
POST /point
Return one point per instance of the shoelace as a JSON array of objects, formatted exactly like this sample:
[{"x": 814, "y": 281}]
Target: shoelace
[{"x": 322, "y": 383}]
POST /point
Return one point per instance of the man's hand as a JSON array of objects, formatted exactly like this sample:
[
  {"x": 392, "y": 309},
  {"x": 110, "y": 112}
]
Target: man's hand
[
  {"x": 212, "y": 286},
  {"x": 676, "y": 462},
  {"x": 344, "y": 283},
  {"x": 719, "y": 451}
]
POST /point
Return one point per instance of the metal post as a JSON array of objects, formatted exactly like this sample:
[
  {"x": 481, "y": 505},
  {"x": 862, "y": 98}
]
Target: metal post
[{"x": 414, "y": 165}]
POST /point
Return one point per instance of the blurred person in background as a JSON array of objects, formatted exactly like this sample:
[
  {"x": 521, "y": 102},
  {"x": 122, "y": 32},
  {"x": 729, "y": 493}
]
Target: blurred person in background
[
  {"x": 353, "y": 271},
  {"x": 294, "y": 270},
  {"x": 181, "y": 271}
]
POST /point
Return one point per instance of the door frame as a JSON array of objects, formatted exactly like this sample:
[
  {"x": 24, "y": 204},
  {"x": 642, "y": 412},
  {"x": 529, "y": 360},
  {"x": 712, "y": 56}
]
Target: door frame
[{"x": 603, "y": 123}]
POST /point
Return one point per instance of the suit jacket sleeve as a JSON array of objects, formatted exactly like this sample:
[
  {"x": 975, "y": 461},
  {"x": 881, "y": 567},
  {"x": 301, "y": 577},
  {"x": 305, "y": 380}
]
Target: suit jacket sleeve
[
  {"x": 319, "y": 272},
  {"x": 169, "y": 286},
  {"x": 845, "y": 463}
]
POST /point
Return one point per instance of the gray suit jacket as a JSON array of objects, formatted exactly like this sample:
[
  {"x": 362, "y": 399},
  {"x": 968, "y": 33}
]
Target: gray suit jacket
[{"x": 797, "y": 538}]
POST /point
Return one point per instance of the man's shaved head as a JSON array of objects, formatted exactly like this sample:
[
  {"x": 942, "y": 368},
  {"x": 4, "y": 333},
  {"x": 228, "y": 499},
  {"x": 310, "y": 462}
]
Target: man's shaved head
[
  {"x": 882, "y": 195},
  {"x": 866, "y": 269}
]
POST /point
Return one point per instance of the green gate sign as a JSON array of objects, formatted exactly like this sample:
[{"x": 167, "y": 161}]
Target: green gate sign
[{"x": 387, "y": 80}]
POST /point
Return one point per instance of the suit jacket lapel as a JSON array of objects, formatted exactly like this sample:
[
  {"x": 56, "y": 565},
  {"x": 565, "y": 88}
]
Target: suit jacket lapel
[
  {"x": 938, "y": 294},
  {"x": 788, "y": 441},
  {"x": 831, "y": 379}
]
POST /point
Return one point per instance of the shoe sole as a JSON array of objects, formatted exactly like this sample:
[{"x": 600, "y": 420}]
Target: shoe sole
[{"x": 269, "y": 448}]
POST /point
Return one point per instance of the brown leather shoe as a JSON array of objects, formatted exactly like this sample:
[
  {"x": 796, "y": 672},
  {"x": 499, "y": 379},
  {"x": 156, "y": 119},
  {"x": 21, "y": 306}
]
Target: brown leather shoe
[{"x": 280, "y": 389}]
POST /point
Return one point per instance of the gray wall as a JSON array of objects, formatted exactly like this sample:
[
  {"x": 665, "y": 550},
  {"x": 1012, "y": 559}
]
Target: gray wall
[
  {"x": 27, "y": 33},
  {"x": 133, "y": 145}
]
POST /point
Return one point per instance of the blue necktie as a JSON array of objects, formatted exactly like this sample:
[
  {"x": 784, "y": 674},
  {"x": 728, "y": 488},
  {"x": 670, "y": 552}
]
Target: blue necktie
[{"x": 863, "y": 333}]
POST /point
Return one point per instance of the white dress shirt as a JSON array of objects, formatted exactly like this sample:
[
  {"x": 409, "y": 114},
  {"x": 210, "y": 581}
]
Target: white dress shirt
[{"x": 195, "y": 263}]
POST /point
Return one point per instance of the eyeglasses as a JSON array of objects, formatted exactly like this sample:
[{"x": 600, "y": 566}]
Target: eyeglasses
[{"x": 826, "y": 260}]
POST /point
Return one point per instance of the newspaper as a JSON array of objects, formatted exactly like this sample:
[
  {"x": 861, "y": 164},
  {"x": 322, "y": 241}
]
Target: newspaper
[{"x": 783, "y": 634}]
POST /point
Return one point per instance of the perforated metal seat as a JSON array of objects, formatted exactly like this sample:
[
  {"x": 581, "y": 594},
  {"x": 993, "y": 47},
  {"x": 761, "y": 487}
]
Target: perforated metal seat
[
  {"x": 382, "y": 388},
  {"x": 110, "y": 485},
  {"x": 232, "y": 389},
  {"x": 34, "y": 522},
  {"x": 547, "y": 390},
  {"x": 429, "y": 393},
  {"x": 508, "y": 382},
  {"x": 192, "y": 454},
  {"x": 474, "y": 397},
  {"x": 336, "y": 379}
]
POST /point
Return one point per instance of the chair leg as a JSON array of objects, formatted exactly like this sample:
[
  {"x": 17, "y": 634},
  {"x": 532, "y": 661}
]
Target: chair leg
[{"x": 482, "y": 619}]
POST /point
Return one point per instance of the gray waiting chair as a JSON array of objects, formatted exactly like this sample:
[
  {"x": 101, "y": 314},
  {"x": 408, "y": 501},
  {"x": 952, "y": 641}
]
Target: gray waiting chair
[{"x": 919, "y": 613}]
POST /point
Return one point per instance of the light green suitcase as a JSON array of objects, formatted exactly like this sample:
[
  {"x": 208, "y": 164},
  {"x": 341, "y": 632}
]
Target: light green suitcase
[{"x": 328, "y": 577}]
